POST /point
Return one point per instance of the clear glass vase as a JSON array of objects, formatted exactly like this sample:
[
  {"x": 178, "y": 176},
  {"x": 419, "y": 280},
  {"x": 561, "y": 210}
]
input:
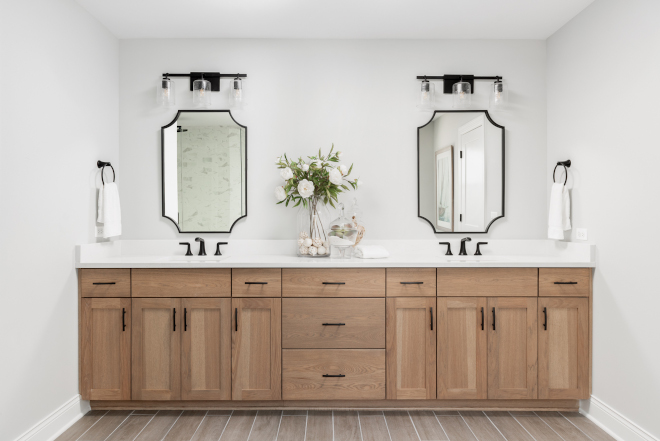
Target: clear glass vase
[{"x": 311, "y": 233}]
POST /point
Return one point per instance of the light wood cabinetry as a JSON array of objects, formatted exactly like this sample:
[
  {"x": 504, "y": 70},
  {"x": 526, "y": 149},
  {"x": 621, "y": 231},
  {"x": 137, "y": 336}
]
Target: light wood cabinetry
[
  {"x": 260, "y": 282},
  {"x": 206, "y": 349},
  {"x": 512, "y": 345},
  {"x": 177, "y": 282},
  {"x": 157, "y": 349},
  {"x": 411, "y": 282},
  {"x": 106, "y": 282},
  {"x": 462, "y": 348},
  {"x": 256, "y": 349},
  {"x": 333, "y": 282},
  {"x": 106, "y": 349},
  {"x": 488, "y": 282},
  {"x": 563, "y": 329},
  {"x": 564, "y": 282},
  {"x": 411, "y": 340}
]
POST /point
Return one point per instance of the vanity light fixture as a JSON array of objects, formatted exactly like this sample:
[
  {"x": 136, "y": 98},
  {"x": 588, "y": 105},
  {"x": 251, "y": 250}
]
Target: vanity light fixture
[
  {"x": 498, "y": 94},
  {"x": 201, "y": 92},
  {"x": 201, "y": 86},
  {"x": 165, "y": 96},
  {"x": 236, "y": 96},
  {"x": 427, "y": 96},
  {"x": 462, "y": 94},
  {"x": 462, "y": 87}
]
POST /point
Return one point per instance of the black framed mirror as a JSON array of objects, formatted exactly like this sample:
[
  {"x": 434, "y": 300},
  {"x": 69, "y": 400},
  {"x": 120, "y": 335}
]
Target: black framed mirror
[
  {"x": 204, "y": 171},
  {"x": 460, "y": 171}
]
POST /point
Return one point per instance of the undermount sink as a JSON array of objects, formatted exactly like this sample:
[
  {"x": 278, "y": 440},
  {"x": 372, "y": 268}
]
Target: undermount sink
[
  {"x": 193, "y": 259},
  {"x": 470, "y": 259}
]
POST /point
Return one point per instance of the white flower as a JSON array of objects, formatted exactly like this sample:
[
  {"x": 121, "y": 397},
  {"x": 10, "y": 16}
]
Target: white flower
[
  {"x": 335, "y": 176},
  {"x": 286, "y": 173},
  {"x": 360, "y": 183},
  {"x": 305, "y": 188},
  {"x": 343, "y": 169},
  {"x": 280, "y": 194},
  {"x": 278, "y": 159},
  {"x": 305, "y": 167},
  {"x": 318, "y": 163}
]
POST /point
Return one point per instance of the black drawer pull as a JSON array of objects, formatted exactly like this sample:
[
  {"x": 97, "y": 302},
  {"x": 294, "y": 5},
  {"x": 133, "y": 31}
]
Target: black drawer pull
[
  {"x": 236, "y": 319},
  {"x": 493, "y": 319},
  {"x": 103, "y": 283},
  {"x": 174, "y": 318},
  {"x": 411, "y": 283},
  {"x": 565, "y": 283},
  {"x": 333, "y": 376},
  {"x": 256, "y": 283},
  {"x": 123, "y": 319},
  {"x": 482, "y": 319},
  {"x": 545, "y": 315},
  {"x": 185, "y": 319},
  {"x": 431, "y": 319},
  {"x": 334, "y": 283},
  {"x": 334, "y": 324}
]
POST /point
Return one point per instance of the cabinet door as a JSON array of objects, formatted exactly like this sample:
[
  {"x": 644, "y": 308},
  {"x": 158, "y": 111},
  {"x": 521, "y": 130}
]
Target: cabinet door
[
  {"x": 563, "y": 348},
  {"x": 462, "y": 348},
  {"x": 512, "y": 348},
  {"x": 256, "y": 349},
  {"x": 106, "y": 349},
  {"x": 206, "y": 349},
  {"x": 411, "y": 335},
  {"x": 156, "y": 349}
]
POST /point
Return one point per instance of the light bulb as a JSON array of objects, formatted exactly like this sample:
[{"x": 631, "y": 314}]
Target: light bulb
[
  {"x": 165, "y": 93},
  {"x": 426, "y": 96},
  {"x": 236, "y": 93},
  {"x": 462, "y": 93},
  {"x": 201, "y": 93},
  {"x": 498, "y": 94}
]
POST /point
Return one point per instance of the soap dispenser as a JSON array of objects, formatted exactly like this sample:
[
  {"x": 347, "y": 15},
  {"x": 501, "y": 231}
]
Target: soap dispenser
[
  {"x": 343, "y": 234},
  {"x": 356, "y": 216}
]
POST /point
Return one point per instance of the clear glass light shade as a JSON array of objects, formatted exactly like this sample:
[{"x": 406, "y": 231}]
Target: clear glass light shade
[
  {"x": 236, "y": 94},
  {"x": 165, "y": 96},
  {"x": 201, "y": 93},
  {"x": 426, "y": 98},
  {"x": 462, "y": 95},
  {"x": 498, "y": 95}
]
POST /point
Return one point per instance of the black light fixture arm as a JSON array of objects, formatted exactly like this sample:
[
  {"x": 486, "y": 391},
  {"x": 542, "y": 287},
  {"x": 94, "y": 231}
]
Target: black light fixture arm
[
  {"x": 212, "y": 77},
  {"x": 450, "y": 80}
]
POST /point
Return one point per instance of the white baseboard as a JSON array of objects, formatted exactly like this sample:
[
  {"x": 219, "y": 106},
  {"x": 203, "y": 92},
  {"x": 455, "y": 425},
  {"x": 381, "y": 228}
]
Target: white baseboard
[
  {"x": 57, "y": 422},
  {"x": 612, "y": 422}
]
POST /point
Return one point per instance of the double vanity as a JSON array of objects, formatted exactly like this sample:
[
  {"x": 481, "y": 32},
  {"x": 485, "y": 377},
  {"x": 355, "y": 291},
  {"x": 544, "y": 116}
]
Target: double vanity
[{"x": 274, "y": 331}]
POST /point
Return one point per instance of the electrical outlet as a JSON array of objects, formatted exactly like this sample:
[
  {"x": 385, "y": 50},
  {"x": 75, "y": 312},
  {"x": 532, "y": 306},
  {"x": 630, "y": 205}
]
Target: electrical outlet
[
  {"x": 581, "y": 233},
  {"x": 493, "y": 214},
  {"x": 99, "y": 231}
]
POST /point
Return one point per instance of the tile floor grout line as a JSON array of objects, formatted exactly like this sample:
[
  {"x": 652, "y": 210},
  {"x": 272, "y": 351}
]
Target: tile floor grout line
[
  {"x": 252, "y": 426},
  {"x": 118, "y": 426},
  {"x": 226, "y": 424},
  {"x": 443, "y": 429},
  {"x": 145, "y": 426},
  {"x": 168, "y": 430},
  {"x": 560, "y": 413},
  {"x": 468, "y": 426},
  {"x": 200, "y": 425},
  {"x": 537, "y": 416},
  {"x": 279, "y": 425},
  {"x": 306, "y": 419},
  {"x": 524, "y": 428},
  {"x": 413, "y": 424},
  {"x": 496, "y": 428},
  {"x": 386, "y": 426},
  {"x": 360, "y": 426},
  {"x": 333, "y": 425},
  {"x": 81, "y": 435}
]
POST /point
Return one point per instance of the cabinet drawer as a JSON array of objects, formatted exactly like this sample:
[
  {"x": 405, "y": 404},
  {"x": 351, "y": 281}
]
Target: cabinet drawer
[
  {"x": 564, "y": 282},
  {"x": 193, "y": 282},
  {"x": 335, "y": 374},
  {"x": 333, "y": 282},
  {"x": 333, "y": 323},
  {"x": 105, "y": 282},
  {"x": 260, "y": 282},
  {"x": 488, "y": 282},
  {"x": 411, "y": 282}
]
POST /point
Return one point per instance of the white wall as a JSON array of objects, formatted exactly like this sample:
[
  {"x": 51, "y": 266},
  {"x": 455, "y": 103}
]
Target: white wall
[
  {"x": 59, "y": 115},
  {"x": 307, "y": 94},
  {"x": 603, "y": 113}
]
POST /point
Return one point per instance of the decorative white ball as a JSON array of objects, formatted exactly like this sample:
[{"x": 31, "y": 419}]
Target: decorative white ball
[
  {"x": 301, "y": 241},
  {"x": 313, "y": 251},
  {"x": 304, "y": 235},
  {"x": 326, "y": 244},
  {"x": 304, "y": 250},
  {"x": 308, "y": 242},
  {"x": 317, "y": 242},
  {"x": 321, "y": 250}
]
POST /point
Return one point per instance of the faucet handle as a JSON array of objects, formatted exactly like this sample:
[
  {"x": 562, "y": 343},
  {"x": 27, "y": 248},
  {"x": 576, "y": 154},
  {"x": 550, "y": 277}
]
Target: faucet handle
[
  {"x": 478, "y": 252},
  {"x": 448, "y": 253},
  {"x": 188, "y": 253},
  {"x": 217, "y": 248},
  {"x": 466, "y": 239}
]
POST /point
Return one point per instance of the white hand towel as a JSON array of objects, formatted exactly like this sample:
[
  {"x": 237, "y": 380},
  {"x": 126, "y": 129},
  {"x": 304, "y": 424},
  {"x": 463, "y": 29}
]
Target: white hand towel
[
  {"x": 109, "y": 213},
  {"x": 371, "y": 252},
  {"x": 559, "y": 218}
]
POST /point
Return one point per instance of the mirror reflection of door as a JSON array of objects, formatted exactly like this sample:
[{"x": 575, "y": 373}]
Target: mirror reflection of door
[{"x": 473, "y": 175}]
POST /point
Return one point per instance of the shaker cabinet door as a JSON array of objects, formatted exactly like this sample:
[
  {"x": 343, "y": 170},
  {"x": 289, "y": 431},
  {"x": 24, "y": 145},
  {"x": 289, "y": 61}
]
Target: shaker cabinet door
[
  {"x": 206, "y": 349},
  {"x": 256, "y": 348},
  {"x": 157, "y": 349},
  {"x": 563, "y": 348},
  {"x": 410, "y": 354},
  {"x": 512, "y": 369},
  {"x": 106, "y": 349}
]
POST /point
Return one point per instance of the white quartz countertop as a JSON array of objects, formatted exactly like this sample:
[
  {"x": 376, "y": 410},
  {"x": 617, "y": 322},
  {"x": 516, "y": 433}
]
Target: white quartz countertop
[{"x": 281, "y": 254}]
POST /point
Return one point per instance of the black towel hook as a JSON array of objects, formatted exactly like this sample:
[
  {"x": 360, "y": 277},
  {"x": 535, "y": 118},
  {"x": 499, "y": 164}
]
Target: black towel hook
[
  {"x": 101, "y": 165},
  {"x": 566, "y": 163}
]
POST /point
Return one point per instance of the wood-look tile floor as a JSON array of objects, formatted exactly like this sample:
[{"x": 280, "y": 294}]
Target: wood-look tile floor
[{"x": 301, "y": 425}]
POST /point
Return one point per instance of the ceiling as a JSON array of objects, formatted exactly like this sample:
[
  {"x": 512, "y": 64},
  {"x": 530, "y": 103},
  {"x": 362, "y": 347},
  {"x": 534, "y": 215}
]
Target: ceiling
[{"x": 378, "y": 19}]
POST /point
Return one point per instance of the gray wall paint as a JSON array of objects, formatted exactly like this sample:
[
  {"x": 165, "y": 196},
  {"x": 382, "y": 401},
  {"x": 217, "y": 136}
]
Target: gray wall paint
[
  {"x": 307, "y": 94},
  {"x": 603, "y": 113}
]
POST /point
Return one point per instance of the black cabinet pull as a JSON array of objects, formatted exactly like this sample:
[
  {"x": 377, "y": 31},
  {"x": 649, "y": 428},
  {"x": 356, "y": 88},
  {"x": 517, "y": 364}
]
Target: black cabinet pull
[
  {"x": 236, "y": 319},
  {"x": 334, "y": 283},
  {"x": 565, "y": 283},
  {"x": 334, "y": 324},
  {"x": 185, "y": 319},
  {"x": 123, "y": 319},
  {"x": 493, "y": 319},
  {"x": 256, "y": 283},
  {"x": 103, "y": 283},
  {"x": 174, "y": 318},
  {"x": 332, "y": 376},
  {"x": 545, "y": 316},
  {"x": 431, "y": 318},
  {"x": 482, "y": 319},
  {"x": 411, "y": 283}
]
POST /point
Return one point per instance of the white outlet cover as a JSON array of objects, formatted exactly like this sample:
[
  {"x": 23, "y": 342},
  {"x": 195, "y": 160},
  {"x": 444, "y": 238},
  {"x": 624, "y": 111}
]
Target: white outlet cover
[{"x": 581, "y": 233}]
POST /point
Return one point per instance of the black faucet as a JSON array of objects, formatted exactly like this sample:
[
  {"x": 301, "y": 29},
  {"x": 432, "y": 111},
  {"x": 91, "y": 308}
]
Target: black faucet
[
  {"x": 188, "y": 253},
  {"x": 478, "y": 253},
  {"x": 202, "y": 248},
  {"x": 217, "y": 248},
  {"x": 463, "y": 252}
]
